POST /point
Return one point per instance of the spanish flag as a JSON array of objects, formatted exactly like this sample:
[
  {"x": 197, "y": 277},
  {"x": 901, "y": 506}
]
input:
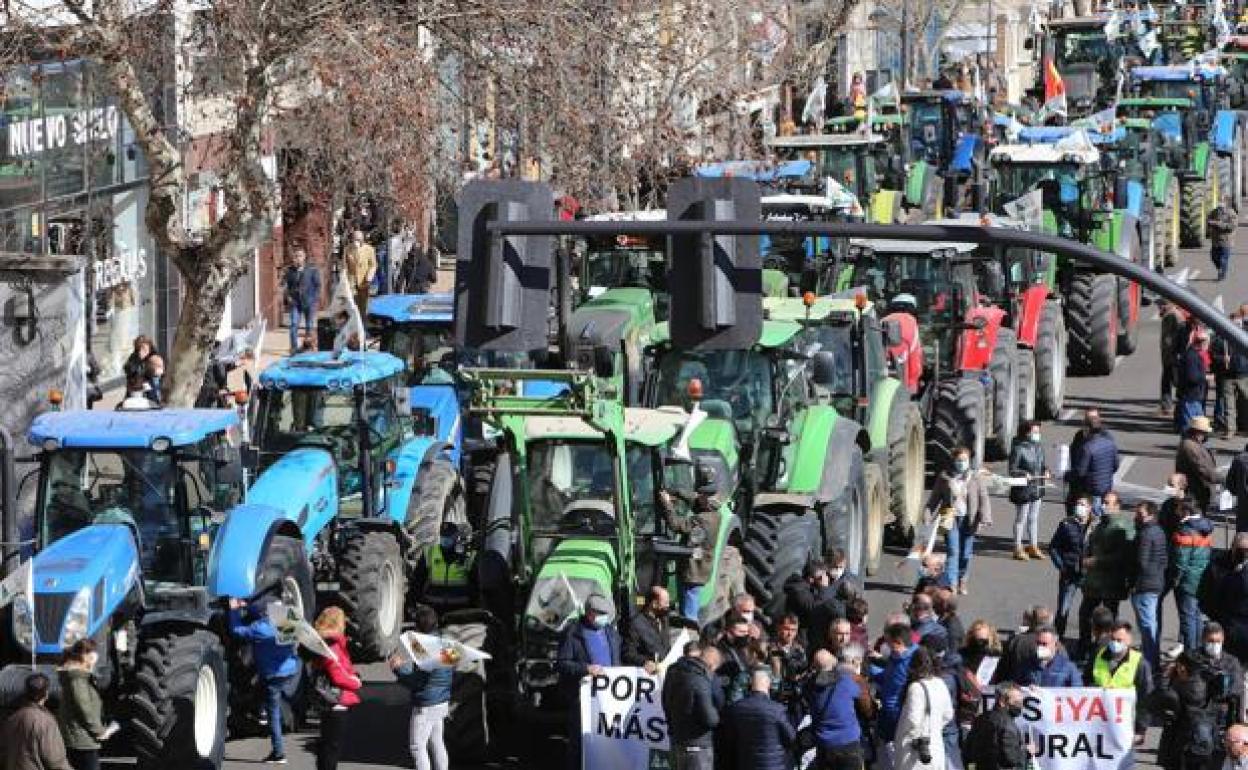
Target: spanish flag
[{"x": 1054, "y": 90}]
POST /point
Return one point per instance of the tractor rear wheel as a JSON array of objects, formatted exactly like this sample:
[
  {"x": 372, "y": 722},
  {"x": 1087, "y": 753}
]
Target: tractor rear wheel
[
  {"x": 179, "y": 701},
  {"x": 1004, "y": 370},
  {"x": 1050, "y": 356},
  {"x": 877, "y": 512},
  {"x": 1193, "y": 195},
  {"x": 1026, "y": 384},
  {"x": 437, "y": 499},
  {"x": 1226, "y": 183},
  {"x": 777, "y": 546},
  {"x": 1092, "y": 320},
  {"x": 906, "y": 460},
  {"x": 957, "y": 420},
  {"x": 373, "y": 585}
]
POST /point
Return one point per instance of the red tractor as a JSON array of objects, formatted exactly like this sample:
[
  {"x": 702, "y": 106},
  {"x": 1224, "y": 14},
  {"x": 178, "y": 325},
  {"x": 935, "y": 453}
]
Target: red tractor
[
  {"x": 956, "y": 355},
  {"x": 1020, "y": 281}
]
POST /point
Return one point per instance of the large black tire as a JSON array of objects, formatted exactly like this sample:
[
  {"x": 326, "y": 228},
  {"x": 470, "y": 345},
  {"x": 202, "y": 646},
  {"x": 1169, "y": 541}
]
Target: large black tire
[
  {"x": 372, "y": 585},
  {"x": 958, "y": 418},
  {"x": 1092, "y": 323},
  {"x": 478, "y": 482},
  {"x": 437, "y": 498},
  {"x": 1003, "y": 367},
  {"x": 468, "y": 736},
  {"x": 179, "y": 700},
  {"x": 906, "y": 460},
  {"x": 845, "y": 520},
  {"x": 1226, "y": 182},
  {"x": 778, "y": 545},
  {"x": 1026, "y": 385},
  {"x": 876, "y": 515},
  {"x": 1192, "y": 194},
  {"x": 1050, "y": 356}
]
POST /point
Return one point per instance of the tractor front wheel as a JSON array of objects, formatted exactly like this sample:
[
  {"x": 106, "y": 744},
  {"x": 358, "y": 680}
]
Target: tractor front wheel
[
  {"x": 1050, "y": 357},
  {"x": 179, "y": 701},
  {"x": 1003, "y": 368},
  {"x": 906, "y": 459},
  {"x": 1193, "y": 195},
  {"x": 777, "y": 546},
  {"x": 373, "y": 584},
  {"x": 957, "y": 420},
  {"x": 1092, "y": 320},
  {"x": 877, "y": 512},
  {"x": 1026, "y": 384}
]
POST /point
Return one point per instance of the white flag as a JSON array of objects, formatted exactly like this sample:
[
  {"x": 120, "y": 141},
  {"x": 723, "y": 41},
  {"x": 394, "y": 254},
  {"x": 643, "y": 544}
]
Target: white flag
[
  {"x": 816, "y": 103},
  {"x": 344, "y": 299},
  {"x": 18, "y": 582}
]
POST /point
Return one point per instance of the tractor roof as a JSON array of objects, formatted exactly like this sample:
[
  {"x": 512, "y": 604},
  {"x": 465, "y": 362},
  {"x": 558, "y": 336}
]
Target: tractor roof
[
  {"x": 323, "y": 370},
  {"x": 815, "y": 141},
  {"x": 930, "y": 95},
  {"x": 758, "y": 170},
  {"x": 129, "y": 430},
  {"x": 1179, "y": 73},
  {"x": 1078, "y": 22},
  {"x": 775, "y": 334},
  {"x": 792, "y": 201},
  {"x": 1043, "y": 154},
  {"x": 887, "y": 246},
  {"x": 642, "y": 215},
  {"x": 651, "y": 427},
  {"x": 1178, "y": 102},
  {"x": 824, "y": 308},
  {"x": 1054, "y": 134},
  {"x": 432, "y": 308}
]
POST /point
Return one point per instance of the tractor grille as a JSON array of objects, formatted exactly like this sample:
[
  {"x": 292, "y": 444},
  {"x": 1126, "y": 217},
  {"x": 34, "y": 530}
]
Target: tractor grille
[{"x": 50, "y": 612}]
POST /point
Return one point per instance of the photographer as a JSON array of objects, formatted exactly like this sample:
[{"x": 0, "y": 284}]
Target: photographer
[
  {"x": 1188, "y": 733},
  {"x": 787, "y": 659},
  {"x": 1223, "y": 675},
  {"x": 924, "y": 713}
]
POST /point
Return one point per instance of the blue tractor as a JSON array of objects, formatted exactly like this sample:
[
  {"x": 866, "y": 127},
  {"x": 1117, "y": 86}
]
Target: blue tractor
[
  {"x": 141, "y": 534},
  {"x": 396, "y": 484}
]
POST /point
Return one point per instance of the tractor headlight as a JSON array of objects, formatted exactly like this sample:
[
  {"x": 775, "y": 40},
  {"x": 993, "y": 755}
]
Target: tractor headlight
[
  {"x": 161, "y": 444},
  {"x": 78, "y": 618},
  {"x": 51, "y": 444},
  {"x": 23, "y": 623}
]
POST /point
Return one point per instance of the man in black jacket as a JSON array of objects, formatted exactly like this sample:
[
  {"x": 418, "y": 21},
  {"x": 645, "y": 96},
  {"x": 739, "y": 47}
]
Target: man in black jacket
[
  {"x": 586, "y": 649},
  {"x": 1237, "y": 484},
  {"x": 1066, "y": 553},
  {"x": 756, "y": 733},
  {"x": 995, "y": 741},
  {"x": 649, "y": 634},
  {"x": 813, "y": 599},
  {"x": 1151, "y": 553},
  {"x": 692, "y": 708}
]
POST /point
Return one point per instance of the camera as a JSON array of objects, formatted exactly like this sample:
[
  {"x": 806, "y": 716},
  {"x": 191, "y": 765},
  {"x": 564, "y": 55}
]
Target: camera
[{"x": 923, "y": 747}]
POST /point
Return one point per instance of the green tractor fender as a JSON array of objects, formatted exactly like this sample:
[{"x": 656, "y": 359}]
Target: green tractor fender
[
  {"x": 1161, "y": 184},
  {"x": 823, "y": 440},
  {"x": 877, "y": 412},
  {"x": 916, "y": 181},
  {"x": 1199, "y": 164}
]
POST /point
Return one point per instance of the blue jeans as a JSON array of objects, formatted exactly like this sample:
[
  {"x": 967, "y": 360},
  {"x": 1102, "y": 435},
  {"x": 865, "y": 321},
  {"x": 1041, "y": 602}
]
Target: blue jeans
[
  {"x": 1221, "y": 256},
  {"x": 275, "y": 690},
  {"x": 1145, "y": 606},
  {"x": 309, "y": 323},
  {"x": 952, "y": 738},
  {"x": 1067, "y": 586},
  {"x": 1190, "y": 619},
  {"x": 960, "y": 544},
  {"x": 690, "y": 601}
]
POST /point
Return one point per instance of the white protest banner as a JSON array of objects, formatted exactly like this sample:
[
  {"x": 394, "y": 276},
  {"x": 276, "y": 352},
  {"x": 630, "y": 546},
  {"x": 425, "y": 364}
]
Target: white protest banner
[
  {"x": 622, "y": 722},
  {"x": 293, "y": 629},
  {"x": 1080, "y": 728},
  {"x": 430, "y": 652}
]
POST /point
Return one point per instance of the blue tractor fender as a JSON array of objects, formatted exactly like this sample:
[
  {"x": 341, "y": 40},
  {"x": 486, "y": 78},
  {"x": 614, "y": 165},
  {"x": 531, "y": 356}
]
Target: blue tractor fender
[
  {"x": 100, "y": 559},
  {"x": 1222, "y": 135},
  {"x": 235, "y": 556},
  {"x": 441, "y": 403},
  {"x": 303, "y": 485},
  {"x": 1135, "y": 198},
  {"x": 963, "y": 160},
  {"x": 409, "y": 459}
]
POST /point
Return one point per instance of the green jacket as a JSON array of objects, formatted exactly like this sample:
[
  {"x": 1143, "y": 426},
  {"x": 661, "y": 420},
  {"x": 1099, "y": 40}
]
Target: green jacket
[
  {"x": 1191, "y": 549},
  {"x": 80, "y": 711},
  {"x": 1112, "y": 547}
]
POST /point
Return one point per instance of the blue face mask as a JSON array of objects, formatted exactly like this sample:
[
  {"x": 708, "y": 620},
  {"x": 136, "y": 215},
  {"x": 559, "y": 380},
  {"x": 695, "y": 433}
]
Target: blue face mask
[
  {"x": 602, "y": 621},
  {"x": 961, "y": 466},
  {"x": 1116, "y": 647},
  {"x": 447, "y": 543},
  {"x": 155, "y": 381}
]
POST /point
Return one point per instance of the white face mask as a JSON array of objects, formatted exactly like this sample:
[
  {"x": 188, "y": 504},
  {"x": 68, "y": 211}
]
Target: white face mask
[
  {"x": 836, "y": 573},
  {"x": 748, "y": 616},
  {"x": 1044, "y": 653},
  {"x": 1213, "y": 649},
  {"x": 1171, "y": 491}
]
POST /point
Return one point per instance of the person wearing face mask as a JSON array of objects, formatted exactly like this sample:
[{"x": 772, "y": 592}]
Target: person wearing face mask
[
  {"x": 649, "y": 635},
  {"x": 980, "y": 655},
  {"x": 1152, "y": 557},
  {"x": 586, "y": 649},
  {"x": 923, "y": 619},
  {"x": 449, "y": 577},
  {"x": 1194, "y": 460},
  {"x": 890, "y": 678},
  {"x": 1066, "y": 553},
  {"x": 1020, "y": 651},
  {"x": 1093, "y": 461},
  {"x": 845, "y": 584},
  {"x": 741, "y": 653},
  {"x": 1051, "y": 666},
  {"x": 79, "y": 713},
  {"x": 1027, "y": 462},
  {"x": 1107, "y": 566},
  {"x": 1223, "y": 674},
  {"x": 995, "y": 741},
  {"x": 1188, "y": 734},
  {"x": 1117, "y": 666},
  {"x": 1191, "y": 549},
  {"x": 961, "y": 501}
]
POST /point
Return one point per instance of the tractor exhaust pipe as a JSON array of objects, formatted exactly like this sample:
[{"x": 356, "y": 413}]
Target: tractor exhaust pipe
[{"x": 8, "y": 505}]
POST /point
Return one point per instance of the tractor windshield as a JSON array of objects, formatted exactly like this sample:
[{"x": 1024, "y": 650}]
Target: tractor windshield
[
  {"x": 838, "y": 341},
  {"x": 1169, "y": 89},
  {"x": 928, "y": 130},
  {"x": 567, "y": 477},
  {"x": 135, "y": 487},
  {"x": 1084, "y": 47},
  {"x": 421, "y": 347},
  {"x": 1014, "y": 180},
  {"x": 741, "y": 380},
  {"x": 923, "y": 278},
  {"x": 610, "y": 268}
]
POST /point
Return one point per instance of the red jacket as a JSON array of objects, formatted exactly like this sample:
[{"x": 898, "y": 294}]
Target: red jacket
[{"x": 341, "y": 672}]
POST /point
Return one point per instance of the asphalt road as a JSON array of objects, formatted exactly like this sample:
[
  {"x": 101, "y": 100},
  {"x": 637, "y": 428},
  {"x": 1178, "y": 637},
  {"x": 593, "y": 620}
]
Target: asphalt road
[{"x": 999, "y": 586}]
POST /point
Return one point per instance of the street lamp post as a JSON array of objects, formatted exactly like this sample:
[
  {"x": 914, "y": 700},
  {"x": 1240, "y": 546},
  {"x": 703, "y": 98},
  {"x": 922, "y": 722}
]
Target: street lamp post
[{"x": 905, "y": 45}]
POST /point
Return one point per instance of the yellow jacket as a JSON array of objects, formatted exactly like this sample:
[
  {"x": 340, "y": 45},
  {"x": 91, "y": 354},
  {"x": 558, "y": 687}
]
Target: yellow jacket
[{"x": 361, "y": 263}]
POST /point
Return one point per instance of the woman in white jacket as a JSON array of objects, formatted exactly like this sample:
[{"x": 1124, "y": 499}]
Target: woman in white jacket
[{"x": 924, "y": 713}]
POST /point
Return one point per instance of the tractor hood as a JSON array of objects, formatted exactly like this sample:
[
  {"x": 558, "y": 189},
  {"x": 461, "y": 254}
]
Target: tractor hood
[
  {"x": 100, "y": 560},
  {"x": 575, "y": 569}
]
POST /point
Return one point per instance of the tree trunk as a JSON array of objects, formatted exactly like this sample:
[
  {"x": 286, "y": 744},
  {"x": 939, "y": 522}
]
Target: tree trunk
[{"x": 202, "y": 309}]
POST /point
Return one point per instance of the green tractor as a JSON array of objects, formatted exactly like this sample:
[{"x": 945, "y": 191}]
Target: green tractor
[
  {"x": 1141, "y": 152},
  {"x": 1074, "y": 195},
  {"x": 864, "y": 390}
]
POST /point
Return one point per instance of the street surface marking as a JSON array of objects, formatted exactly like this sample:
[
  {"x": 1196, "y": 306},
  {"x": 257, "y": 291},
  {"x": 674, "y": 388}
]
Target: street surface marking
[
  {"x": 1123, "y": 467},
  {"x": 1217, "y": 302},
  {"x": 1066, "y": 415}
]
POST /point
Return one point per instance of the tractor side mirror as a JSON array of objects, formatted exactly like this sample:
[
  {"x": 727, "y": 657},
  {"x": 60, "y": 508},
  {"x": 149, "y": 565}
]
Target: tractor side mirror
[
  {"x": 604, "y": 362},
  {"x": 892, "y": 332},
  {"x": 1029, "y": 43},
  {"x": 824, "y": 368}
]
